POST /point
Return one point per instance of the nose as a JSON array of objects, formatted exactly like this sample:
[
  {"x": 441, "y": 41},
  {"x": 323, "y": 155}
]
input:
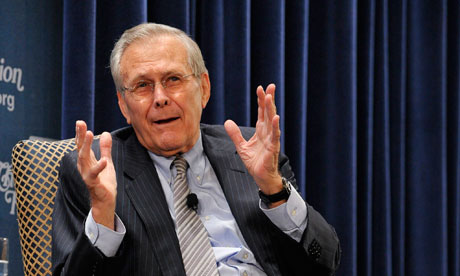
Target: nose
[{"x": 160, "y": 97}]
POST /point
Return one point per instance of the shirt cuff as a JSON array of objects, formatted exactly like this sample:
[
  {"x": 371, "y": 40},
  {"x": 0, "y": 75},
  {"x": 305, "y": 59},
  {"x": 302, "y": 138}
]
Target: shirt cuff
[
  {"x": 105, "y": 239},
  {"x": 290, "y": 217}
]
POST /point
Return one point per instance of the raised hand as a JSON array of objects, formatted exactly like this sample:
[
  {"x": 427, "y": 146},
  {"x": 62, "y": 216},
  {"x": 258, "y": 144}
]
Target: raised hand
[
  {"x": 99, "y": 175},
  {"x": 260, "y": 153}
]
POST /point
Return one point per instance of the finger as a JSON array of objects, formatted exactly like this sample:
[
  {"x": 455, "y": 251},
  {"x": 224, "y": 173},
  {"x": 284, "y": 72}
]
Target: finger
[
  {"x": 106, "y": 146},
  {"x": 261, "y": 103},
  {"x": 97, "y": 168},
  {"x": 260, "y": 114},
  {"x": 271, "y": 90},
  {"x": 276, "y": 131},
  {"x": 80, "y": 130},
  {"x": 84, "y": 154},
  {"x": 234, "y": 133},
  {"x": 270, "y": 111}
]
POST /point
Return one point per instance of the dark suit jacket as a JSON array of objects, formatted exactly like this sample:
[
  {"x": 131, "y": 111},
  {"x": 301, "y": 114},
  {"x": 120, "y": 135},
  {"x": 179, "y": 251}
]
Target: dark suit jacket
[{"x": 150, "y": 246}]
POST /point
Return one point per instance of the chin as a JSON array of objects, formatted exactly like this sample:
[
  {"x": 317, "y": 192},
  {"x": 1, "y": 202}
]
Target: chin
[
  {"x": 173, "y": 145},
  {"x": 168, "y": 143}
]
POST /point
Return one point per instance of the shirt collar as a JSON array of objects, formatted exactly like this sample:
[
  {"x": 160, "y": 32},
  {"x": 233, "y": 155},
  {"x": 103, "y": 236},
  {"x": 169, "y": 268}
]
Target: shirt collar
[{"x": 195, "y": 159}]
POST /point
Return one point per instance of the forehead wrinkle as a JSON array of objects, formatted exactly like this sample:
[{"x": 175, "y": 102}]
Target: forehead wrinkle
[{"x": 165, "y": 60}]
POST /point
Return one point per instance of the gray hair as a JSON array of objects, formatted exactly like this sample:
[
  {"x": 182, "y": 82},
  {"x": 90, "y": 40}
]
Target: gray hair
[{"x": 146, "y": 30}]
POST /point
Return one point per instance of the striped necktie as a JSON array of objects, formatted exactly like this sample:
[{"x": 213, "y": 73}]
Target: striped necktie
[{"x": 197, "y": 253}]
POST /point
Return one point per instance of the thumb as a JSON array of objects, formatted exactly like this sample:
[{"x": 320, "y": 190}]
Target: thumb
[
  {"x": 235, "y": 133},
  {"x": 106, "y": 146}
]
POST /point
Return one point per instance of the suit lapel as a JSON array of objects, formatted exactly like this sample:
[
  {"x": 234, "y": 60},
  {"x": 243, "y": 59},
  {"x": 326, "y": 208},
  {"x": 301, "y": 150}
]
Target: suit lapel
[
  {"x": 241, "y": 193},
  {"x": 146, "y": 194},
  {"x": 144, "y": 190}
]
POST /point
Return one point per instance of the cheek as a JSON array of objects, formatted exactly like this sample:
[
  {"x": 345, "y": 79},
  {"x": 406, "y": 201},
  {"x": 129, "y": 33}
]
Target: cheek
[
  {"x": 195, "y": 106},
  {"x": 138, "y": 112},
  {"x": 139, "y": 107}
]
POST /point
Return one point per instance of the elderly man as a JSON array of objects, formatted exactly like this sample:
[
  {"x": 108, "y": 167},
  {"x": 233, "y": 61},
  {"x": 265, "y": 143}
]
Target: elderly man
[{"x": 171, "y": 196}]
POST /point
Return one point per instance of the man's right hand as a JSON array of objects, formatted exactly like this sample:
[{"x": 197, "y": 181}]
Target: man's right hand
[{"x": 99, "y": 175}]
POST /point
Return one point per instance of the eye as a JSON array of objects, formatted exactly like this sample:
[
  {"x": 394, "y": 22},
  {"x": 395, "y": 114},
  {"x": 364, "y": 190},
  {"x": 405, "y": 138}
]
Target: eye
[
  {"x": 142, "y": 84},
  {"x": 142, "y": 88},
  {"x": 173, "y": 79}
]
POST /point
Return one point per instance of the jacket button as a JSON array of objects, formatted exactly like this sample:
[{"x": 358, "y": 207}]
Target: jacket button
[{"x": 314, "y": 249}]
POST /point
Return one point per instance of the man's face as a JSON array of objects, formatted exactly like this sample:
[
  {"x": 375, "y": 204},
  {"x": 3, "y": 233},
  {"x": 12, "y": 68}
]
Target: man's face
[{"x": 165, "y": 123}]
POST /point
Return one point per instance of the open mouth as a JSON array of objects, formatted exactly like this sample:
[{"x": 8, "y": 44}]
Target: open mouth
[{"x": 165, "y": 121}]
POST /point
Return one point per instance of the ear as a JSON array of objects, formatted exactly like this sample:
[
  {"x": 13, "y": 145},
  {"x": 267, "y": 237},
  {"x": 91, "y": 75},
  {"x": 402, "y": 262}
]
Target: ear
[
  {"x": 205, "y": 89},
  {"x": 123, "y": 107}
]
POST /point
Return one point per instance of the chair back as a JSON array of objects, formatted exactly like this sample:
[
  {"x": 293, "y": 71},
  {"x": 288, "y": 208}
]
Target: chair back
[{"x": 35, "y": 166}]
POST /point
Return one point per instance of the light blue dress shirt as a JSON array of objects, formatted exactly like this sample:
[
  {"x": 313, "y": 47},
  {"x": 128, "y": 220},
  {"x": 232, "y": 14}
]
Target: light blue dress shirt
[{"x": 232, "y": 254}]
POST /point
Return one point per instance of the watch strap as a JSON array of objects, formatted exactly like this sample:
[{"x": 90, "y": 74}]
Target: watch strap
[{"x": 282, "y": 195}]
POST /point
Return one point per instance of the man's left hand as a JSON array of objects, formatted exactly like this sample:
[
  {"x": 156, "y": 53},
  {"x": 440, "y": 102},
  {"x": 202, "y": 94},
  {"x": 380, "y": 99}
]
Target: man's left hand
[{"x": 260, "y": 153}]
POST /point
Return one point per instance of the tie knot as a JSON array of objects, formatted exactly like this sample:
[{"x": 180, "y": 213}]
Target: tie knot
[{"x": 181, "y": 164}]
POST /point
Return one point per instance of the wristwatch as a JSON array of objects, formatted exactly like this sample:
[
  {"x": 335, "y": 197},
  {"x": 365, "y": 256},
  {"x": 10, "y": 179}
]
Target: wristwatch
[{"x": 282, "y": 195}]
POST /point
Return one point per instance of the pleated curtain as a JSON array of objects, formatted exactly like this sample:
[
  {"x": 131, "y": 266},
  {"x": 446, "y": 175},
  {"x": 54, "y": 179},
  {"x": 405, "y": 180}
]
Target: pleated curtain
[{"x": 367, "y": 91}]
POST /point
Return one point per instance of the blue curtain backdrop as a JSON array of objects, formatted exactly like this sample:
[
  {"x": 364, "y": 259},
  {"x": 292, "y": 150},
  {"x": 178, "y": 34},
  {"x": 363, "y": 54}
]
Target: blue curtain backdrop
[{"x": 368, "y": 95}]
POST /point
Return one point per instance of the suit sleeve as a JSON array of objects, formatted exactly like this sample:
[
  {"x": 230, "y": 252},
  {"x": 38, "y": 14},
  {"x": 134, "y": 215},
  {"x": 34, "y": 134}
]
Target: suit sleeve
[
  {"x": 319, "y": 239},
  {"x": 72, "y": 252}
]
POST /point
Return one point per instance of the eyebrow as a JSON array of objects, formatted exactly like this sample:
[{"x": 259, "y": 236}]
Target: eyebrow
[{"x": 167, "y": 73}]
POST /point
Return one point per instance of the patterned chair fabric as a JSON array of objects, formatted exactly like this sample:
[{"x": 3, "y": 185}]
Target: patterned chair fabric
[{"x": 35, "y": 165}]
